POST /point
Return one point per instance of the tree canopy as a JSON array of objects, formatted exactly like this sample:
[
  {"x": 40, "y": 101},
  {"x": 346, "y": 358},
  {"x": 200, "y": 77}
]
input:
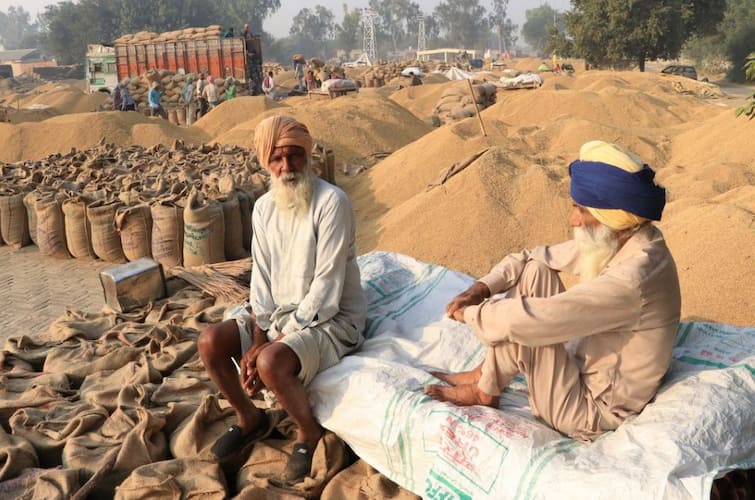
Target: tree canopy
[
  {"x": 462, "y": 22},
  {"x": 16, "y": 29},
  {"x": 612, "y": 32},
  {"x": 536, "y": 28}
]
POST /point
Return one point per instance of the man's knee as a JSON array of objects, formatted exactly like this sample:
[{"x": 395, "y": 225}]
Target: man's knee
[
  {"x": 218, "y": 340},
  {"x": 276, "y": 363},
  {"x": 539, "y": 280}
]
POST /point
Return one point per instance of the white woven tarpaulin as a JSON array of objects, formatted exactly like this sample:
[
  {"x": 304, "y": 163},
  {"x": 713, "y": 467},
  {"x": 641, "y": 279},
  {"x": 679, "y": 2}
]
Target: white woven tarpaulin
[{"x": 701, "y": 424}]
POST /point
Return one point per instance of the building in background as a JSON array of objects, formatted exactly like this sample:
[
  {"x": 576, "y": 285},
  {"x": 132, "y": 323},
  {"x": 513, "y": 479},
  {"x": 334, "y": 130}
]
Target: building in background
[{"x": 25, "y": 60}]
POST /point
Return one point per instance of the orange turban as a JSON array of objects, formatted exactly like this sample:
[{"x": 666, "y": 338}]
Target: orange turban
[{"x": 278, "y": 131}]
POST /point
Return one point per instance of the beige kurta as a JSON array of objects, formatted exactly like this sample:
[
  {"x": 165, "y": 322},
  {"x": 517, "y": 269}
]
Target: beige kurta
[{"x": 623, "y": 325}]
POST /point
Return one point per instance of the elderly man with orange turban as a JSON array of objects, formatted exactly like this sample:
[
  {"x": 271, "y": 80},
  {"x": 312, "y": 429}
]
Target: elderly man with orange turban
[
  {"x": 306, "y": 309},
  {"x": 594, "y": 354}
]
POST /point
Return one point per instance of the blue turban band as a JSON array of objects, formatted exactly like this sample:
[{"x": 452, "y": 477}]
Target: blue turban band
[{"x": 596, "y": 184}]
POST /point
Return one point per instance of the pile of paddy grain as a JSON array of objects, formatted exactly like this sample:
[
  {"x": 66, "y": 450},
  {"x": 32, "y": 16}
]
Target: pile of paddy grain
[
  {"x": 355, "y": 126},
  {"x": 231, "y": 113}
]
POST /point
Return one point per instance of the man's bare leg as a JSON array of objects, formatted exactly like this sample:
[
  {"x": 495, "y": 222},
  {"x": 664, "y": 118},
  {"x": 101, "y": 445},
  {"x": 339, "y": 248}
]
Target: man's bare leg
[
  {"x": 462, "y": 395},
  {"x": 279, "y": 368},
  {"x": 217, "y": 344},
  {"x": 461, "y": 378}
]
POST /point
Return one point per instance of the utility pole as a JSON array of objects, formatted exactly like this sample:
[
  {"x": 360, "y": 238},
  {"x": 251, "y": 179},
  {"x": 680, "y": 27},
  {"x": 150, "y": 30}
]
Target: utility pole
[
  {"x": 368, "y": 24},
  {"x": 421, "y": 40}
]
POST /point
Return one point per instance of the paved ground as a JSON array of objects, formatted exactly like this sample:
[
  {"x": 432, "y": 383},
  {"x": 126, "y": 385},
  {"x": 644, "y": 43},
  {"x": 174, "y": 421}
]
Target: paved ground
[{"x": 35, "y": 289}]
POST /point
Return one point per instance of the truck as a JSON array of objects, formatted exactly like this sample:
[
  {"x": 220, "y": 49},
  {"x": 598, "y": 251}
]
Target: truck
[
  {"x": 237, "y": 57},
  {"x": 100, "y": 68}
]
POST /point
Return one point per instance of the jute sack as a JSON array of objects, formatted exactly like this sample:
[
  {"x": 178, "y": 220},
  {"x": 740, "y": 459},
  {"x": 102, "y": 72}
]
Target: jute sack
[
  {"x": 86, "y": 358},
  {"x": 174, "y": 480},
  {"x": 196, "y": 435},
  {"x": 30, "y": 390},
  {"x": 246, "y": 204},
  {"x": 78, "y": 232},
  {"x": 48, "y": 428},
  {"x": 177, "y": 398},
  {"x": 105, "y": 238},
  {"x": 30, "y": 202},
  {"x": 27, "y": 349},
  {"x": 14, "y": 226},
  {"x": 256, "y": 479},
  {"x": 204, "y": 231},
  {"x": 104, "y": 387},
  {"x": 16, "y": 454},
  {"x": 51, "y": 235},
  {"x": 361, "y": 481},
  {"x": 137, "y": 436},
  {"x": 54, "y": 484},
  {"x": 234, "y": 232},
  {"x": 167, "y": 233},
  {"x": 135, "y": 227}
]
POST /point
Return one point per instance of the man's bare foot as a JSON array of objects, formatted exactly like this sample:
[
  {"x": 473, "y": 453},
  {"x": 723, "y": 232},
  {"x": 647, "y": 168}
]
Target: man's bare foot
[
  {"x": 461, "y": 378},
  {"x": 462, "y": 395}
]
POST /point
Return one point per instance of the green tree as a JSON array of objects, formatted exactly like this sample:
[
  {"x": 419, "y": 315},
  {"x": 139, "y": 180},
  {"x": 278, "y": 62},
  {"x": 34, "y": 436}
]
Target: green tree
[
  {"x": 240, "y": 12},
  {"x": 462, "y": 22},
  {"x": 348, "y": 33},
  {"x": 16, "y": 29},
  {"x": 616, "y": 31},
  {"x": 749, "y": 68},
  {"x": 397, "y": 20},
  {"x": 536, "y": 28},
  {"x": 313, "y": 29}
]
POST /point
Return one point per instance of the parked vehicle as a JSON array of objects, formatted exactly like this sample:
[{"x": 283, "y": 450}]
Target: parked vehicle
[
  {"x": 100, "y": 68},
  {"x": 238, "y": 57},
  {"x": 676, "y": 69}
]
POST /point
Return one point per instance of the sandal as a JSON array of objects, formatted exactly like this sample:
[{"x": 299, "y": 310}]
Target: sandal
[
  {"x": 233, "y": 441},
  {"x": 299, "y": 464}
]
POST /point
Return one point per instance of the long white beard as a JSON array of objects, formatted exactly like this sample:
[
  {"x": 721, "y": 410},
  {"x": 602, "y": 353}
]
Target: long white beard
[
  {"x": 597, "y": 245},
  {"x": 292, "y": 192}
]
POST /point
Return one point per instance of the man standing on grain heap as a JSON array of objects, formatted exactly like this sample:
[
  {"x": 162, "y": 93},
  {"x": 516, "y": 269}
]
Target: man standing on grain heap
[{"x": 620, "y": 320}]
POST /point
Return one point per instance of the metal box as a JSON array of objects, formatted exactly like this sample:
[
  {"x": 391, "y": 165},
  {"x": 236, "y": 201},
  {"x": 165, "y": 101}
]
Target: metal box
[{"x": 133, "y": 285}]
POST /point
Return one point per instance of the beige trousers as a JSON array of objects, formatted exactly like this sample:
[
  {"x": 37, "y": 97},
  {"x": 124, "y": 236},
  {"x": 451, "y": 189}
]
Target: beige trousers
[{"x": 556, "y": 392}]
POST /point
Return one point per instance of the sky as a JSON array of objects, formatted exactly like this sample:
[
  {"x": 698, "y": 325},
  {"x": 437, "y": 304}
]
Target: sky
[{"x": 280, "y": 22}]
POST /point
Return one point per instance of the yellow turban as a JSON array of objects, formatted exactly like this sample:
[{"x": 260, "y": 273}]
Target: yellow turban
[
  {"x": 612, "y": 154},
  {"x": 278, "y": 131}
]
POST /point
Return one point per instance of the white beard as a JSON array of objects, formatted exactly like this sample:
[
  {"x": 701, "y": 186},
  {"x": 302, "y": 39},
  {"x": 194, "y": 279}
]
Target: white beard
[
  {"x": 292, "y": 192},
  {"x": 597, "y": 245}
]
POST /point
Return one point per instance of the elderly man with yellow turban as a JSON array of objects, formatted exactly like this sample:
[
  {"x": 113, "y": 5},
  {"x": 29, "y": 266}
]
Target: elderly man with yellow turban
[
  {"x": 594, "y": 354},
  {"x": 306, "y": 309}
]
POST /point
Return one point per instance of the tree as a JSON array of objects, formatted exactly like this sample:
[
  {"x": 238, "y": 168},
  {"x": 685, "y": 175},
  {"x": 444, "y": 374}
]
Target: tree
[
  {"x": 313, "y": 29},
  {"x": 536, "y": 28},
  {"x": 612, "y": 32},
  {"x": 462, "y": 22},
  {"x": 749, "y": 68},
  {"x": 502, "y": 25},
  {"x": 396, "y": 20},
  {"x": 240, "y": 12},
  {"x": 16, "y": 30},
  {"x": 349, "y": 31}
]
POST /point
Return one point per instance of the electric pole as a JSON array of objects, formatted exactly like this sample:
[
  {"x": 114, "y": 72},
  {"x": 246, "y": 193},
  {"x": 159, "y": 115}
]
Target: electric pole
[{"x": 421, "y": 40}]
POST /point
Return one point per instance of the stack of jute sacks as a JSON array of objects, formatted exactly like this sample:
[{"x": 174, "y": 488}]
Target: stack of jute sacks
[
  {"x": 182, "y": 206},
  {"x": 383, "y": 72},
  {"x": 457, "y": 102},
  {"x": 210, "y": 32}
]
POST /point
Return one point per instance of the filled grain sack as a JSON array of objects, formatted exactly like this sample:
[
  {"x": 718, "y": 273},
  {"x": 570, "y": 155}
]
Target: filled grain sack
[
  {"x": 246, "y": 204},
  {"x": 106, "y": 241},
  {"x": 134, "y": 224},
  {"x": 167, "y": 233},
  {"x": 51, "y": 234},
  {"x": 30, "y": 202},
  {"x": 204, "y": 231},
  {"x": 234, "y": 231},
  {"x": 14, "y": 226},
  {"x": 78, "y": 230}
]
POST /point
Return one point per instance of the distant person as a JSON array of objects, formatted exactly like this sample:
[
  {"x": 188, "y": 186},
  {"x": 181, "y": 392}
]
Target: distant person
[
  {"x": 245, "y": 33},
  {"x": 210, "y": 92},
  {"x": 230, "y": 89},
  {"x": 595, "y": 354},
  {"x": 154, "y": 97},
  {"x": 309, "y": 80},
  {"x": 299, "y": 73},
  {"x": 268, "y": 86},
  {"x": 199, "y": 94},
  {"x": 117, "y": 97},
  {"x": 416, "y": 80},
  {"x": 187, "y": 96},
  {"x": 228, "y": 33},
  {"x": 127, "y": 100}
]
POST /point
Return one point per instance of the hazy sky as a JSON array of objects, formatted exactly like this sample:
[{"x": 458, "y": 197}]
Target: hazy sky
[{"x": 280, "y": 22}]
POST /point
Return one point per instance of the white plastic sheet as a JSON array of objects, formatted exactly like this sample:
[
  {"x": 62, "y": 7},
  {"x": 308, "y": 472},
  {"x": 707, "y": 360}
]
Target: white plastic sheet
[{"x": 701, "y": 424}]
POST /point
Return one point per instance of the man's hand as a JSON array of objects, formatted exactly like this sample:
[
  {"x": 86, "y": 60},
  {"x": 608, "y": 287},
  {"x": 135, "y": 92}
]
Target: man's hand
[
  {"x": 473, "y": 296},
  {"x": 250, "y": 379}
]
